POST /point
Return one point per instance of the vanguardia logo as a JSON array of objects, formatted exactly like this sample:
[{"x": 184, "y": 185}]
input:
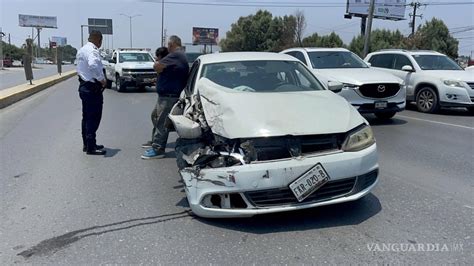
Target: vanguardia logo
[{"x": 414, "y": 247}]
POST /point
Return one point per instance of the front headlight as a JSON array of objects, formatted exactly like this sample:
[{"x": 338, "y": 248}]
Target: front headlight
[
  {"x": 359, "y": 140},
  {"x": 349, "y": 86},
  {"x": 453, "y": 83}
]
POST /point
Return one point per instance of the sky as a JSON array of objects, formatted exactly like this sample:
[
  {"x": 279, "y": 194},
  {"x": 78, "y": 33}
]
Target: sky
[{"x": 180, "y": 18}]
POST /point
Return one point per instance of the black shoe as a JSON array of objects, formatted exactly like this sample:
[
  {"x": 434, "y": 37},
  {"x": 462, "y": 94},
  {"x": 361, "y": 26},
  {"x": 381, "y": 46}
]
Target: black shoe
[
  {"x": 97, "y": 147},
  {"x": 96, "y": 152}
]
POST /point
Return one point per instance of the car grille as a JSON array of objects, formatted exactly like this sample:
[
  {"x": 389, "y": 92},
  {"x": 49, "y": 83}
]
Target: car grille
[
  {"x": 275, "y": 148},
  {"x": 471, "y": 84},
  {"x": 330, "y": 190},
  {"x": 375, "y": 90}
]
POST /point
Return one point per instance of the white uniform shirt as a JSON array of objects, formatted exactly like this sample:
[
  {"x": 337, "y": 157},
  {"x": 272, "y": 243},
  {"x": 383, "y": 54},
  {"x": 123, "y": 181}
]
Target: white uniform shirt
[{"x": 89, "y": 64}]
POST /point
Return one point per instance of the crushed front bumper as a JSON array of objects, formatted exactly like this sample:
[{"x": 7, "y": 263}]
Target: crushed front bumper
[{"x": 259, "y": 188}]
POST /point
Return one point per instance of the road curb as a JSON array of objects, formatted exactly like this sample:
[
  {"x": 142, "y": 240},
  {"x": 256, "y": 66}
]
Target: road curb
[{"x": 14, "y": 94}]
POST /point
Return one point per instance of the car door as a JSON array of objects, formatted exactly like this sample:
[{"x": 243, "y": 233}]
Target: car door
[
  {"x": 110, "y": 69},
  {"x": 401, "y": 60}
]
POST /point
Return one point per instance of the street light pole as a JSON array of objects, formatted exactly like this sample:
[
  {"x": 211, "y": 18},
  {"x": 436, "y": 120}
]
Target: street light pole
[
  {"x": 162, "y": 22},
  {"x": 130, "y": 18}
]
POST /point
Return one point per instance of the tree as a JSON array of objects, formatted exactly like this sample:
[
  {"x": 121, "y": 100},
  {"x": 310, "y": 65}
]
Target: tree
[
  {"x": 11, "y": 51},
  {"x": 260, "y": 32},
  {"x": 379, "y": 39},
  {"x": 434, "y": 35},
  {"x": 331, "y": 40},
  {"x": 300, "y": 26}
]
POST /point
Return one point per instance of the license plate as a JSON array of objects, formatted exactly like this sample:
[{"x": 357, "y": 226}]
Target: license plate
[
  {"x": 309, "y": 182},
  {"x": 148, "y": 80},
  {"x": 380, "y": 105}
]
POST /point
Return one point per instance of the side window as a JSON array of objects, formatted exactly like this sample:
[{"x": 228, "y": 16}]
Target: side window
[
  {"x": 192, "y": 78},
  {"x": 382, "y": 60},
  {"x": 400, "y": 61},
  {"x": 298, "y": 55}
]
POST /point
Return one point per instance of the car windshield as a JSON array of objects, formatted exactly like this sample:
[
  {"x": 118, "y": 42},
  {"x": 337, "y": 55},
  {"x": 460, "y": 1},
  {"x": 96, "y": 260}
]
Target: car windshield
[
  {"x": 262, "y": 76},
  {"x": 436, "y": 62},
  {"x": 135, "y": 57},
  {"x": 335, "y": 59}
]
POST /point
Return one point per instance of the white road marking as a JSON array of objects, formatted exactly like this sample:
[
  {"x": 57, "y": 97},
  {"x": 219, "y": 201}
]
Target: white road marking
[{"x": 435, "y": 122}]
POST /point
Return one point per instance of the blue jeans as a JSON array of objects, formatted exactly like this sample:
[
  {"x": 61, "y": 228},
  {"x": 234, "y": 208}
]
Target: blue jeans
[{"x": 161, "y": 131}]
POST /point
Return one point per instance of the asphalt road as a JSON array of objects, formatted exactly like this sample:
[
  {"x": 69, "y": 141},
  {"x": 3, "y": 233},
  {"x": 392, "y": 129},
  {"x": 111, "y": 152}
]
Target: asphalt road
[
  {"x": 59, "y": 206},
  {"x": 13, "y": 76}
]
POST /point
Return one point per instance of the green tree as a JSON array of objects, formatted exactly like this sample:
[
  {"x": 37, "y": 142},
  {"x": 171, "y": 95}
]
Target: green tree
[
  {"x": 331, "y": 40},
  {"x": 379, "y": 39},
  {"x": 11, "y": 51},
  {"x": 434, "y": 35},
  {"x": 260, "y": 32}
]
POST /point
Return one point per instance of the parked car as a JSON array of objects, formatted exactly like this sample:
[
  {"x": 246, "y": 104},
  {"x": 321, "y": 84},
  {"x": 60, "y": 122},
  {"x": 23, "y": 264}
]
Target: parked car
[
  {"x": 369, "y": 90},
  {"x": 259, "y": 133},
  {"x": 7, "y": 62},
  {"x": 433, "y": 80},
  {"x": 130, "y": 67}
]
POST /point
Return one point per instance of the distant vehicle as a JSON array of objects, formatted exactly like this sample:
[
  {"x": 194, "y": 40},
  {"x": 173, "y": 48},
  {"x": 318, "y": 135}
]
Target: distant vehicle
[
  {"x": 7, "y": 62},
  {"x": 367, "y": 89},
  {"x": 39, "y": 60},
  {"x": 130, "y": 67},
  {"x": 433, "y": 80}
]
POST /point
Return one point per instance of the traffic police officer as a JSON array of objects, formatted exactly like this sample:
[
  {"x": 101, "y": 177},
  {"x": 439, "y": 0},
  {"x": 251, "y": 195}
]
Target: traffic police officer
[{"x": 92, "y": 82}]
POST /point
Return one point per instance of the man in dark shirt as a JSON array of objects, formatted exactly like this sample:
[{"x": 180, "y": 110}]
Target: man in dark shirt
[{"x": 173, "y": 73}]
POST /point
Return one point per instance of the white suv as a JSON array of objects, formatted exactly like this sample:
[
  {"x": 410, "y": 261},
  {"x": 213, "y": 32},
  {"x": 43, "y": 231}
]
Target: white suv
[
  {"x": 367, "y": 89},
  {"x": 433, "y": 80}
]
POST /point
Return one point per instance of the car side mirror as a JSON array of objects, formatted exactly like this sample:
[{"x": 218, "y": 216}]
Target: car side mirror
[
  {"x": 335, "y": 86},
  {"x": 112, "y": 61},
  {"x": 408, "y": 68},
  {"x": 369, "y": 64}
]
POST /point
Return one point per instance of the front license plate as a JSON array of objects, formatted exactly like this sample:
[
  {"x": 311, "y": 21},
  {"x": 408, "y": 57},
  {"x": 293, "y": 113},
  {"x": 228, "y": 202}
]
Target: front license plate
[
  {"x": 380, "y": 105},
  {"x": 309, "y": 182}
]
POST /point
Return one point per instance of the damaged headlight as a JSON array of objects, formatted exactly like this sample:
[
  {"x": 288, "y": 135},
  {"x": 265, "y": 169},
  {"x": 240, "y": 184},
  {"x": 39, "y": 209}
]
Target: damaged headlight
[{"x": 359, "y": 140}]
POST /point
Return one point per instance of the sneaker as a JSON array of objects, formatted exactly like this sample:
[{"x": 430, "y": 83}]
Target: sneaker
[
  {"x": 153, "y": 154},
  {"x": 147, "y": 145}
]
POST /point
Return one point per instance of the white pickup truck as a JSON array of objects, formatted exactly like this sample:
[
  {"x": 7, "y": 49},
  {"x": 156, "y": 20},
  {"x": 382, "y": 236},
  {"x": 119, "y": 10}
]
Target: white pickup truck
[{"x": 130, "y": 67}]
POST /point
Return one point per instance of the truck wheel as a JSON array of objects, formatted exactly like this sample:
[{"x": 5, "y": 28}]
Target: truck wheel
[
  {"x": 385, "y": 115},
  {"x": 427, "y": 100},
  {"x": 118, "y": 83}
]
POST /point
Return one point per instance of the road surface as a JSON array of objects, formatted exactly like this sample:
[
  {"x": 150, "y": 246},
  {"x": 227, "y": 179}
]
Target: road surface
[
  {"x": 13, "y": 76},
  {"x": 59, "y": 206}
]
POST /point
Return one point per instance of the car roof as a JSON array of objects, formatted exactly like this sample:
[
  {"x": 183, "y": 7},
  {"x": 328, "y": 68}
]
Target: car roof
[
  {"x": 243, "y": 56},
  {"x": 410, "y": 52},
  {"x": 316, "y": 49}
]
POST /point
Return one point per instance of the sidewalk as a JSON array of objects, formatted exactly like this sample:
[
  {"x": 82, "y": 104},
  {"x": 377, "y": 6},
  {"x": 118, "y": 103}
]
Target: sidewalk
[{"x": 14, "y": 94}]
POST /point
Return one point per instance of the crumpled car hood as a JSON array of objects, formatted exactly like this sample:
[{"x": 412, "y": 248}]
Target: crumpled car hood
[
  {"x": 235, "y": 114},
  {"x": 461, "y": 75}
]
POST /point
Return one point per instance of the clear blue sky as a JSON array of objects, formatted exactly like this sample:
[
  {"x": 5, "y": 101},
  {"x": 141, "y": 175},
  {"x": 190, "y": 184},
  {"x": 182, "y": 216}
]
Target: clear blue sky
[{"x": 179, "y": 19}]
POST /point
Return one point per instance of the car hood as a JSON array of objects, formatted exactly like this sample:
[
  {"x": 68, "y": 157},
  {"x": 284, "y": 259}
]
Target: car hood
[
  {"x": 357, "y": 76},
  {"x": 236, "y": 114},
  {"x": 137, "y": 65},
  {"x": 461, "y": 75}
]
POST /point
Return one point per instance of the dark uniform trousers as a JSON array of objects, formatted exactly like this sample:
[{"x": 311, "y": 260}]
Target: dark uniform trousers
[{"x": 92, "y": 100}]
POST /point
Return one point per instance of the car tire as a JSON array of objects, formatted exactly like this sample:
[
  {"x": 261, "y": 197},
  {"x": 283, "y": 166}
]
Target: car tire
[
  {"x": 427, "y": 100},
  {"x": 470, "y": 110},
  {"x": 385, "y": 115},
  {"x": 119, "y": 84}
]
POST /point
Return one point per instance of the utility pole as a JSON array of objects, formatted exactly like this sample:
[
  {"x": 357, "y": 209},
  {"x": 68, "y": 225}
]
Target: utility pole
[
  {"x": 130, "y": 18},
  {"x": 1, "y": 48},
  {"x": 38, "y": 53},
  {"x": 415, "y": 6},
  {"x": 369, "y": 27},
  {"x": 162, "y": 22},
  {"x": 9, "y": 39}
]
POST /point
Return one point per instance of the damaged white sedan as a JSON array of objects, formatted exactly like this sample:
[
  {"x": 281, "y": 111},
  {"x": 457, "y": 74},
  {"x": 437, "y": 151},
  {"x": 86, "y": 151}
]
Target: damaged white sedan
[{"x": 258, "y": 133}]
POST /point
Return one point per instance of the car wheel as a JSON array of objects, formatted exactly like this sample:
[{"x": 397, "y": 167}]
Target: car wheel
[
  {"x": 470, "y": 110},
  {"x": 427, "y": 100},
  {"x": 118, "y": 83},
  {"x": 385, "y": 115}
]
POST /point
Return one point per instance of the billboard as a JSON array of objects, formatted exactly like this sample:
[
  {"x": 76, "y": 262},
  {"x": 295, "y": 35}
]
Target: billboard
[
  {"x": 104, "y": 25},
  {"x": 205, "y": 36},
  {"x": 37, "y": 21},
  {"x": 384, "y": 9},
  {"x": 60, "y": 41}
]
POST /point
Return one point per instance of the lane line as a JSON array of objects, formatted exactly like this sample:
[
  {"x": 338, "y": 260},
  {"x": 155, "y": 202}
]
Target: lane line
[{"x": 436, "y": 122}]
